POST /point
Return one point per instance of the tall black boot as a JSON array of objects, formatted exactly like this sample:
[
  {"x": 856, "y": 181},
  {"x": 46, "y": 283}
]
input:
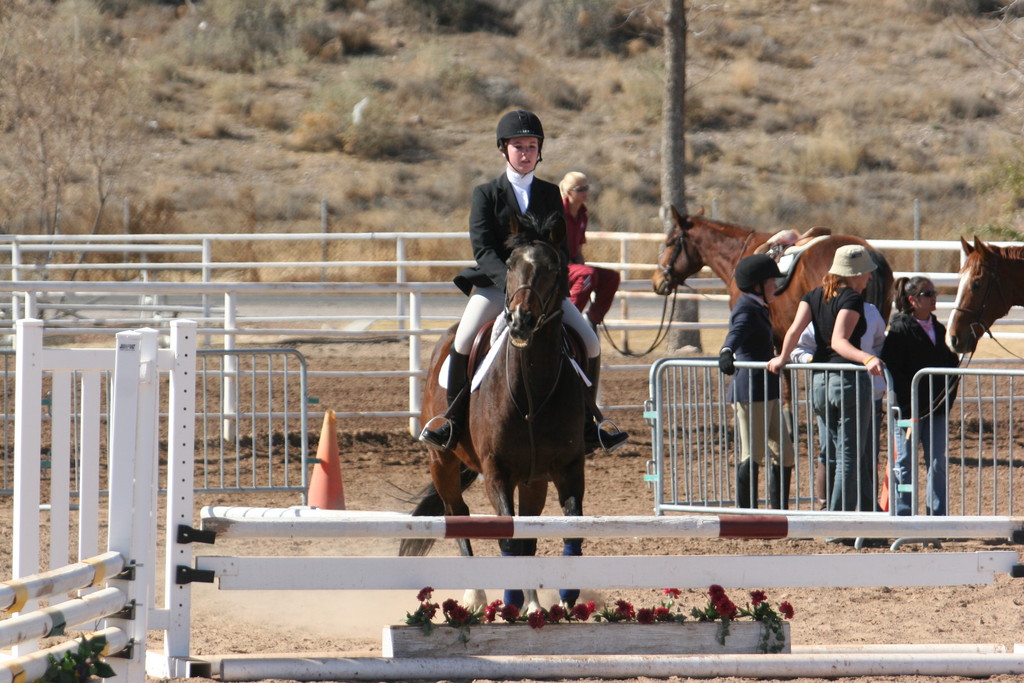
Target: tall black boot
[
  {"x": 746, "y": 482},
  {"x": 454, "y": 419},
  {"x": 593, "y": 436},
  {"x": 778, "y": 486}
]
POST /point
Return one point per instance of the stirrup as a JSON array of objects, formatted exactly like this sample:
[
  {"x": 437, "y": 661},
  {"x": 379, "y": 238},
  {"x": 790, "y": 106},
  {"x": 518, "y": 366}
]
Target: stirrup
[
  {"x": 444, "y": 437},
  {"x": 608, "y": 441}
]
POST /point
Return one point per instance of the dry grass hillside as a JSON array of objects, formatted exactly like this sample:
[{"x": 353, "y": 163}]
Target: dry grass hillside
[{"x": 235, "y": 116}]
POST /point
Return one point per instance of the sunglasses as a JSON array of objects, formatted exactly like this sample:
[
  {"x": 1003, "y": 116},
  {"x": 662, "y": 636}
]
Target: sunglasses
[
  {"x": 581, "y": 188},
  {"x": 928, "y": 293}
]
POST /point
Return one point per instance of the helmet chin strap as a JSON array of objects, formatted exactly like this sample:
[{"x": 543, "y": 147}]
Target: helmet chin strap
[{"x": 504, "y": 153}]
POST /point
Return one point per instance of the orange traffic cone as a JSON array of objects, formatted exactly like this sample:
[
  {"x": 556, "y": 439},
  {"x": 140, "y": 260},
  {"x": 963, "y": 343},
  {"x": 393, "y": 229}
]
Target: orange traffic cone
[{"x": 326, "y": 490}]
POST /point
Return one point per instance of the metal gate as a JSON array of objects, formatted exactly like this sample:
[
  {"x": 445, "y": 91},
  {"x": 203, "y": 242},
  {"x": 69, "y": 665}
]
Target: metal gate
[{"x": 694, "y": 443}]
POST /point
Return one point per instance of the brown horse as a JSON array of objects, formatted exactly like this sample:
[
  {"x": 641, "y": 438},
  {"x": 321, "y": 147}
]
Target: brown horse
[
  {"x": 991, "y": 282},
  {"x": 695, "y": 241},
  {"x": 525, "y": 421}
]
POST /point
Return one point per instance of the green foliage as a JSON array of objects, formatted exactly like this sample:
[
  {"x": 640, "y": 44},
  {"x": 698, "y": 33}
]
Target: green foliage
[{"x": 80, "y": 664}]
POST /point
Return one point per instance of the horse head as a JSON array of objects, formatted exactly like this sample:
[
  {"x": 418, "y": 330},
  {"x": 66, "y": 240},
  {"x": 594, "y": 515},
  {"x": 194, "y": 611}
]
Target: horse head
[
  {"x": 534, "y": 288},
  {"x": 980, "y": 299},
  {"x": 678, "y": 259}
]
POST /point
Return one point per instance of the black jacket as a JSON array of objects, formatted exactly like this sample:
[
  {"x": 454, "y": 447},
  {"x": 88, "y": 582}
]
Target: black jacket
[
  {"x": 494, "y": 204},
  {"x": 908, "y": 349}
]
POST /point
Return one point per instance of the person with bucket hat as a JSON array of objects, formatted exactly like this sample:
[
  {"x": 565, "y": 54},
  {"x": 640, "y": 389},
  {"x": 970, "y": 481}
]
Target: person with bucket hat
[
  {"x": 516, "y": 192},
  {"x": 763, "y": 431},
  {"x": 843, "y": 399}
]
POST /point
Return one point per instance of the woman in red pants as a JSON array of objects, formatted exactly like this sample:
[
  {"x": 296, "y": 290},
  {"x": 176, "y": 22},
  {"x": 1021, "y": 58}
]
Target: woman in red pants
[{"x": 584, "y": 280}]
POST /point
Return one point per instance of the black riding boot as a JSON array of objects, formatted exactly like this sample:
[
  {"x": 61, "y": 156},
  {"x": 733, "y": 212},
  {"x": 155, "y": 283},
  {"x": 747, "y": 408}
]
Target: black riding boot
[
  {"x": 454, "y": 419},
  {"x": 593, "y": 436},
  {"x": 746, "y": 482},
  {"x": 778, "y": 487}
]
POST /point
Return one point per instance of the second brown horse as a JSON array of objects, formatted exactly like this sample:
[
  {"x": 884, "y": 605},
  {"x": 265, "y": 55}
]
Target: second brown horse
[{"x": 696, "y": 241}]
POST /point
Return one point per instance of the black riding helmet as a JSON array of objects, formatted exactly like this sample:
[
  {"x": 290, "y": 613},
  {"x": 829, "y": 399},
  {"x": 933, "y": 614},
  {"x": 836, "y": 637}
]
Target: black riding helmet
[
  {"x": 519, "y": 124},
  {"x": 754, "y": 270}
]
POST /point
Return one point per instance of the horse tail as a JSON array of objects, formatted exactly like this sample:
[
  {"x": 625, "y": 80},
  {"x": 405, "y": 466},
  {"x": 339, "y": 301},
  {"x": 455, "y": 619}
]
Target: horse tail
[
  {"x": 879, "y": 289},
  {"x": 431, "y": 505}
]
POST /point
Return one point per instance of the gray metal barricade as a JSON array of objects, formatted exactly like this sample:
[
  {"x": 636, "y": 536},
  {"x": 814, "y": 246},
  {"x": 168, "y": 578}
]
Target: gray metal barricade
[
  {"x": 983, "y": 465},
  {"x": 256, "y": 441},
  {"x": 694, "y": 442}
]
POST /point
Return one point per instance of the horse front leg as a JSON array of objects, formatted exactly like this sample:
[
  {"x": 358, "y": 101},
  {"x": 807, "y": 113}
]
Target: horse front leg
[
  {"x": 532, "y": 496},
  {"x": 570, "y": 488},
  {"x": 447, "y": 474},
  {"x": 500, "y": 493}
]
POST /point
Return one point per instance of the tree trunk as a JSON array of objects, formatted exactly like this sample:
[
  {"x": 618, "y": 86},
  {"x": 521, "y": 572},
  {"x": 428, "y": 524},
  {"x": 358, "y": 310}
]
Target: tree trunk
[{"x": 673, "y": 154}]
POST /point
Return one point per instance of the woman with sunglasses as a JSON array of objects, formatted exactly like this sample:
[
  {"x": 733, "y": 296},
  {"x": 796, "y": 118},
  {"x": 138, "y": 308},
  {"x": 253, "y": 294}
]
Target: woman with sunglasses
[
  {"x": 917, "y": 340},
  {"x": 584, "y": 279}
]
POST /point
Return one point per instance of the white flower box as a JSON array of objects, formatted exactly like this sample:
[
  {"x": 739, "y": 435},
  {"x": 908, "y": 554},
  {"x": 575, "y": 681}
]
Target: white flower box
[{"x": 602, "y": 638}]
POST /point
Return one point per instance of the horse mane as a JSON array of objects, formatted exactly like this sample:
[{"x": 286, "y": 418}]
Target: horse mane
[
  {"x": 722, "y": 226},
  {"x": 1009, "y": 253}
]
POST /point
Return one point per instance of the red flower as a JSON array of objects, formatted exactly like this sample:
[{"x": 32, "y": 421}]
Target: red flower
[
  {"x": 536, "y": 619},
  {"x": 716, "y": 592},
  {"x": 424, "y": 594},
  {"x": 448, "y": 605},
  {"x": 509, "y": 613},
  {"x": 491, "y": 611},
  {"x": 673, "y": 593},
  {"x": 582, "y": 612},
  {"x": 662, "y": 614},
  {"x": 645, "y": 616},
  {"x": 458, "y": 615},
  {"x": 726, "y": 608},
  {"x": 556, "y": 614},
  {"x": 786, "y": 609},
  {"x": 757, "y": 597},
  {"x": 624, "y": 609}
]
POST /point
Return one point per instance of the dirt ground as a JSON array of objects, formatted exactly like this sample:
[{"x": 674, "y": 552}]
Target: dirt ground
[{"x": 382, "y": 465}]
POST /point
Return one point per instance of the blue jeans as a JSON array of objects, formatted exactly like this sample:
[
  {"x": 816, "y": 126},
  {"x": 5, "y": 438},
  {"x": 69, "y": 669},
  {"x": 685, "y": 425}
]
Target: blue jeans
[
  {"x": 844, "y": 401},
  {"x": 932, "y": 432}
]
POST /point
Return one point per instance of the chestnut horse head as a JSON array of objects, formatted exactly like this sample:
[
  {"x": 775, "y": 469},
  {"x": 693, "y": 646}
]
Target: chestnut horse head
[
  {"x": 696, "y": 241},
  {"x": 991, "y": 282}
]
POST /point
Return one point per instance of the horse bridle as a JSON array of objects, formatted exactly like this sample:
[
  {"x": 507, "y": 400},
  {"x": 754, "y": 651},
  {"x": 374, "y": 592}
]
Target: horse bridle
[
  {"x": 677, "y": 248},
  {"x": 546, "y": 316},
  {"x": 979, "y": 314}
]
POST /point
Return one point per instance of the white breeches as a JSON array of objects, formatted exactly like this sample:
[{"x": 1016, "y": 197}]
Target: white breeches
[{"x": 486, "y": 303}]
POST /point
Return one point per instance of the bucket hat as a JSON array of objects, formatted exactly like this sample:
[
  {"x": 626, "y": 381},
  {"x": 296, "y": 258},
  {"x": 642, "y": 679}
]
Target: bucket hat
[{"x": 852, "y": 260}]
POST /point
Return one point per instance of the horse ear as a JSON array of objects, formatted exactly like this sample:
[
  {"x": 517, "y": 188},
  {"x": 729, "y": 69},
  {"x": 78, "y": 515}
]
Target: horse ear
[
  {"x": 968, "y": 249},
  {"x": 678, "y": 218},
  {"x": 513, "y": 225},
  {"x": 556, "y": 229}
]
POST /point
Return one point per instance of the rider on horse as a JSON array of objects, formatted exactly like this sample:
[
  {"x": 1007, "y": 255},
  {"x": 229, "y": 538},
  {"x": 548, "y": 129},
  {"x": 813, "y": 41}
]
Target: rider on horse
[{"x": 520, "y": 138}]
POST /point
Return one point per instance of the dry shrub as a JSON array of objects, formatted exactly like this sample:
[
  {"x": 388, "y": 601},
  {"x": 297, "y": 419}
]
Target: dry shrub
[
  {"x": 213, "y": 126},
  {"x": 459, "y": 16},
  {"x": 380, "y": 135},
  {"x": 267, "y": 113},
  {"x": 744, "y": 75},
  {"x": 583, "y": 27},
  {"x": 318, "y": 131},
  {"x": 834, "y": 150},
  {"x": 155, "y": 216},
  {"x": 329, "y": 41}
]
